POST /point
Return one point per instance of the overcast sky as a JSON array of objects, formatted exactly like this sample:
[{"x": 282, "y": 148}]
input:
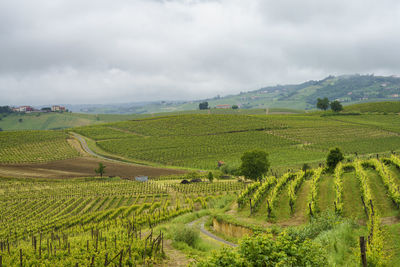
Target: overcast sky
[{"x": 102, "y": 51}]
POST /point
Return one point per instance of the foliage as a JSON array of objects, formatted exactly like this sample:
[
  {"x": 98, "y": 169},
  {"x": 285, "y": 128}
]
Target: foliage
[
  {"x": 210, "y": 177},
  {"x": 312, "y": 199},
  {"x": 246, "y": 194},
  {"x": 265, "y": 250},
  {"x": 254, "y": 165},
  {"x": 336, "y": 106},
  {"x": 305, "y": 167},
  {"x": 186, "y": 234},
  {"x": 323, "y": 103},
  {"x": 262, "y": 191},
  {"x": 334, "y": 157},
  {"x": 5, "y": 109},
  {"x": 338, "y": 188},
  {"x": 100, "y": 169},
  {"x": 203, "y": 105},
  {"x": 235, "y": 106}
]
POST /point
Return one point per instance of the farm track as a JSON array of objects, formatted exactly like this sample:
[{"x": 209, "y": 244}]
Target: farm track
[
  {"x": 209, "y": 234},
  {"x": 81, "y": 167}
]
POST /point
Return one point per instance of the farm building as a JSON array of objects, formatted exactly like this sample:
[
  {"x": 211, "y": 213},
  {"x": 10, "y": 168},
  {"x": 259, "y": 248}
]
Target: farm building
[
  {"x": 223, "y": 106},
  {"x": 57, "y": 108}
]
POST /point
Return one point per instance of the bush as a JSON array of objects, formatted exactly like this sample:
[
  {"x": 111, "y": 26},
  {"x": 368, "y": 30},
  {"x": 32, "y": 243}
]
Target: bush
[
  {"x": 186, "y": 234},
  {"x": 229, "y": 169},
  {"x": 265, "y": 250},
  {"x": 334, "y": 157}
]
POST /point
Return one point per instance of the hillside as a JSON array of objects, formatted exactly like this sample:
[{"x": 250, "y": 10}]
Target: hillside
[
  {"x": 348, "y": 89},
  {"x": 377, "y": 107},
  {"x": 52, "y": 121},
  {"x": 94, "y": 220},
  {"x": 48, "y": 121},
  {"x": 200, "y": 141}
]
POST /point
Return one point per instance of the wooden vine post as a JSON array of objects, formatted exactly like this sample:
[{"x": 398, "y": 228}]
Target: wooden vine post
[{"x": 363, "y": 252}]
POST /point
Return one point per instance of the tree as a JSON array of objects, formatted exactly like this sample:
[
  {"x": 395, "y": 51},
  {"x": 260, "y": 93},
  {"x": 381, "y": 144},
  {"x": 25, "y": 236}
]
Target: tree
[
  {"x": 305, "y": 167},
  {"x": 100, "y": 170},
  {"x": 254, "y": 164},
  {"x": 334, "y": 157},
  {"x": 203, "y": 105},
  {"x": 19, "y": 120},
  {"x": 235, "y": 106},
  {"x": 323, "y": 103},
  {"x": 210, "y": 177},
  {"x": 336, "y": 106}
]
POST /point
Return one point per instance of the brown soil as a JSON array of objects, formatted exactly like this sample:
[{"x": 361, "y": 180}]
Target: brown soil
[{"x": 81, "y": 167}]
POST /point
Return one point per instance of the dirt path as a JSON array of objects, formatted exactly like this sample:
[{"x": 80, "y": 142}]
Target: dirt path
[
  {"x": 209, "y": 234},
  {"x": 174, "y": 256}
]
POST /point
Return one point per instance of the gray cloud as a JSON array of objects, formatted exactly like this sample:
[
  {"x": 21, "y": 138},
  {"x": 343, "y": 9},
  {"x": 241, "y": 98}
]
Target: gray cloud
[{"x": 121, "y": 51}]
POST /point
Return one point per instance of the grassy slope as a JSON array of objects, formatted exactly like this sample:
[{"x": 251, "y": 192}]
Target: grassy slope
[
  {"x": 388, "y": 107},
  {"x": 352, "y": 206},
  {"x": 326, "y": 194},
  {"x": 282, "y": 208},
  {"x": 301, "y": 205},
  {"x": 383, "y": 204},
  {"x": 393, "y": 239},
  {"x": 46, "y": 121}
]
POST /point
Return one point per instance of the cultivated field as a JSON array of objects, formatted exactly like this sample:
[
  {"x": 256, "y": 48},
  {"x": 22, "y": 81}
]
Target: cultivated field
[
  {"x": 200, "y": 141},
  {"x": 109, "y": 221},
  {"x": 94, "y": 221}
]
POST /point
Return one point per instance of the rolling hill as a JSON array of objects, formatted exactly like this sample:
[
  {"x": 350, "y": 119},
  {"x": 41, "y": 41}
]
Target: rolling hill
[{"x": 348, "y": 89}]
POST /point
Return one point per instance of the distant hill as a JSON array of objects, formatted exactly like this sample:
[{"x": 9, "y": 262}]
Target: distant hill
[
  {"x": 379, "y": 107},
  {"x": 49, "y": 121},
  {"x": 52, "y": 121},
  {"x": 349, "y": 89}
]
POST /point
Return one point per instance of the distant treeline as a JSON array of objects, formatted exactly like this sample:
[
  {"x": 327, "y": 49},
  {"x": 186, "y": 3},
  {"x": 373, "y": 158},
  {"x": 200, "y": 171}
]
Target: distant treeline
[{"x": 5, "y": 109}]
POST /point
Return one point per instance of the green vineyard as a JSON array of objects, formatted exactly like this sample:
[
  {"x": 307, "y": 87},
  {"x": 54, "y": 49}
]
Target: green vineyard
[
  {"x": 34, "y": 146},
  {"x": 200, "y": 141},
  {"x": 89, "y": 221}
]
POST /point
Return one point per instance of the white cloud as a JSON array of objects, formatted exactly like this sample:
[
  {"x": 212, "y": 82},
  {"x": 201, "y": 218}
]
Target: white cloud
[{"x": 123, "y": 51}]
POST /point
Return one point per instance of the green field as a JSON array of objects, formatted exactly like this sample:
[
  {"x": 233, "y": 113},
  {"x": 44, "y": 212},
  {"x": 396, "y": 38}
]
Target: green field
[
  {"x": 65, "y": 222},
  {"x": 200, "y": 141},
  {"x": 34, "y": 146},
  {"x": 375, "y": 107},
  {"x": 55, "y": 120},
  {"x": 48, "y": 121},
  {"x": 92, "y": 220}
]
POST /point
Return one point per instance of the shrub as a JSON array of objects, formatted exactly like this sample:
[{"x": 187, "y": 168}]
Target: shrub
[{"x": 186, "y": 234}]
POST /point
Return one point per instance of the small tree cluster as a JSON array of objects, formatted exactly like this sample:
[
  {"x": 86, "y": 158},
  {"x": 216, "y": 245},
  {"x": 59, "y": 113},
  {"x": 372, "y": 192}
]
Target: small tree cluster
[
  {"x": 203, "y": 105},
  {"x": 324, "y": 104}
]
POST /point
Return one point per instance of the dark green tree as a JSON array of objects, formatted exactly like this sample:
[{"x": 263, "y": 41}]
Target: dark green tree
[
  {"x": 254, "y": 165},
  {"x": 100, "y": 170},
  {"x": 235, "y": 106},
  {"x": 323, "y": 103},
  {"x": 203, "y": 105},
  {"x": 336, "y": 106},
  {"x": 334, "y": 157},
  {"x": 210, "y": 177},
  {"x": 19, "y": 120}
]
